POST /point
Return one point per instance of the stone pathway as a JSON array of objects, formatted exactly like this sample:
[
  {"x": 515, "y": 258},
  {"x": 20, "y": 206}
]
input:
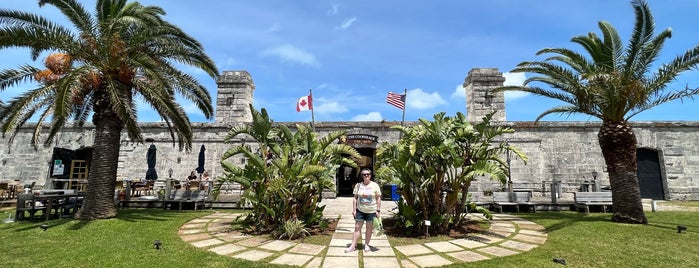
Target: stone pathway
[{"x": 508, "y": 235}]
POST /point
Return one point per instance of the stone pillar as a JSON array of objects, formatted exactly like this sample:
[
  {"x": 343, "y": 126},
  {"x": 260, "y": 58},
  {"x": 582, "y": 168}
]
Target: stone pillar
[
  {"x": 479, "y": 99},
  {"x": 235, "y": 89}
]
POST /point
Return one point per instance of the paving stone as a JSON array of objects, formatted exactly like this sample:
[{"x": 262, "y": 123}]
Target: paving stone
[
  {"x": 498, "y": 234},
  {"x": 292, "y": 259},
  {"x": 231, "y": 236},
  {"x": 431, "y": 260},
  {"x": 412, "y": 250},
  {"x": 497, "y": 251},
  {"x": 443, "y": 246},
  {"x": 253, "y": 255},
  {"x": 340, "y": 229},
  {"x": 531, "y": 226},
  {"x": 484, "y": 238},
  {"x": 344, "y": 262},
  {"x": 340, "y": 242},
  {"x": 408, "y": 264},
  {"x": 343, "y": 236},
  {"x": 380, "y": 262},
  {"x": 219, "y": 229},
  {"x": 380, "y": 251},
  {"x": 502, "y": 229},
  {"x": 530, "y": 238},
  {"x": 380, "y": 243},
  {"x": 277, "y": 245},
  {"x": 198, "y": 221},
  {"x": 467, "y": 243},
  {"x": 190, "y": 231},
  {"x": 340, "y": 251},
  {"x": 517, "y": 245},
  {"x": 315, "y": 262},
  {"x": 194, "y": 226},
  {"x": 254, "y": 241},
  {"x": 309, "y": 249},
  {"x": 195, "y": 237},
  {"x": 506, "y": 224},
  {"x": 520, "y": 221},
  {"x": 468, "y": 256},
  {"x": 227, "y": 249},
  {"x": 533, "y": 232},
  {"x": 207, "y": 243}
]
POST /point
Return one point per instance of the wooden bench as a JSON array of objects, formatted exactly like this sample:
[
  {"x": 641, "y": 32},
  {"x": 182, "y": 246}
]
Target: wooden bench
[
  {"x": 182, "y": 197},
  {"x": 480, "y": 199},
  {"x": 513, "y": 199},
  {"x": 584, "y": 200}
]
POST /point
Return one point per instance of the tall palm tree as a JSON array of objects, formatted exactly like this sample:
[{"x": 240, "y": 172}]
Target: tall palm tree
[
  {"x": 122, "y": 52},
  {"x": 613, "y": 83}
]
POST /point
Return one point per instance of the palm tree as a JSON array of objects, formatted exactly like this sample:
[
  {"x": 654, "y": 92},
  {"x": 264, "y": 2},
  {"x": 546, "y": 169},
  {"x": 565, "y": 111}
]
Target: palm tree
[
  {"x": 122, "y": 52},
  {"x": 613, "y": 84}
]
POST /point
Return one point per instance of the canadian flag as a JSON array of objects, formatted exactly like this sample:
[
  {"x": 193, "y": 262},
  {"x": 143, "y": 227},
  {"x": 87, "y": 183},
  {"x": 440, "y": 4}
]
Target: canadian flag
[{"x": 305, "y": 103}]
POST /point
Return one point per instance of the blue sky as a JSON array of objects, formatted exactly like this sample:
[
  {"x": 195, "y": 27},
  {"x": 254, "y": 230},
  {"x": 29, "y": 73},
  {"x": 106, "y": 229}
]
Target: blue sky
[{"x": 352, "y": 53}]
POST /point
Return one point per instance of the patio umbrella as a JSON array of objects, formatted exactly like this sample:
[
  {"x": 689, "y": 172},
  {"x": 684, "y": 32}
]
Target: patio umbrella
[
  {"x": 150, "y": 158},
  {"x": 202, "y": 158}
]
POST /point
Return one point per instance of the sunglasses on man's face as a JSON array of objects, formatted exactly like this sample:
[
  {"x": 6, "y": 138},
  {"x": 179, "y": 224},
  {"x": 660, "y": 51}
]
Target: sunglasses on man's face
[{"x": 366, "y": 174}]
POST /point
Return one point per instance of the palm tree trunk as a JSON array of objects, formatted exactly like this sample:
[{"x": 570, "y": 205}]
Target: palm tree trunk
[
  {"x": 99, "y": 199},
  {"x": 618, "y": 144}
]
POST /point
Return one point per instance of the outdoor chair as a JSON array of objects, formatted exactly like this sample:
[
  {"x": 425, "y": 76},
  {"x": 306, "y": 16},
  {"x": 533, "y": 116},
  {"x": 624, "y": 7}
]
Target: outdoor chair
[
  {"x": 27, "y": 203},
  {"x": 4, "y": 190},
  {"x": 144, "y": 188}
]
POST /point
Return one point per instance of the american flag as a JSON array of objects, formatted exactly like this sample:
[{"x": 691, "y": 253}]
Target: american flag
[{"x": 397, "y": 100}]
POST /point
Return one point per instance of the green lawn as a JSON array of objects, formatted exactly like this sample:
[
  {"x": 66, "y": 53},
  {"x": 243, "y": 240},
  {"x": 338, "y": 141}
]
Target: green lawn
[{"x": 127, "y": 241}]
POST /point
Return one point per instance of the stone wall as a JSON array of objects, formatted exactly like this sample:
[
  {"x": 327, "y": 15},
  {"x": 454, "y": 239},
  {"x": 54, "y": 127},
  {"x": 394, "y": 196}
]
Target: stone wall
[{"x": 566, "y": 151}]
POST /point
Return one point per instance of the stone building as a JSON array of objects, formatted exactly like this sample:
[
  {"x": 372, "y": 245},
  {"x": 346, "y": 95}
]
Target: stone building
[{"x": 557, "y": 151}]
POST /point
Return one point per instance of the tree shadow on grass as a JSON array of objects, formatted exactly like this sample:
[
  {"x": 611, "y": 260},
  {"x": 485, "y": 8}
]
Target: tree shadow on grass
[{"x": 554, "y": 221}]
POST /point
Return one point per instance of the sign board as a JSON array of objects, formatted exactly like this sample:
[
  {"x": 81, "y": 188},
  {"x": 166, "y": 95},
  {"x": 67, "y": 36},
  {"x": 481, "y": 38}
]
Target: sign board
[{"x": 57, "y": 168}]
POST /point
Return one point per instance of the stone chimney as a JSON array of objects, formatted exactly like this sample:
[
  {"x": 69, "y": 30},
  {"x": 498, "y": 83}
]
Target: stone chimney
[
  {"x": 479, "y": 99},
  {"x": 234, "y": 96}
]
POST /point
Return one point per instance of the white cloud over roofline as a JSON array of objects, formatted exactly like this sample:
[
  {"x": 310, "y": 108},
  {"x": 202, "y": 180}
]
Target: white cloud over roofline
[
  {"x": 290, "y": 53},
  {"x": 371, "y": 116},
  {"x": 419, "y": 99}
]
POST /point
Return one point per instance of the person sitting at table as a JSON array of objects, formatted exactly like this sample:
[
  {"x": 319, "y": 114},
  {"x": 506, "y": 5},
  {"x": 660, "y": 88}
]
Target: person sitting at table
[
  {"x": 192, "y": 176},
  {"x": 204, "y": 185}
]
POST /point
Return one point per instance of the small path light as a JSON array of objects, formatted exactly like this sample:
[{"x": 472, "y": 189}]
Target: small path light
[
  {"x": 44, "y": 227},
  {"x": 681, "y": 228},
  {"x": 157, "y": 244}
]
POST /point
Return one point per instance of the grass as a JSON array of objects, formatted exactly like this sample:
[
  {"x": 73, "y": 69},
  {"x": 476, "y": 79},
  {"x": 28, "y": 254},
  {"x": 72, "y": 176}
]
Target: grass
[{"x": 127, "y": 241}]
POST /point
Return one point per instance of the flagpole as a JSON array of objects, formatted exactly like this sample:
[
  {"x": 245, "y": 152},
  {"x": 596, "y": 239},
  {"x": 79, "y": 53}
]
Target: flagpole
[
  {"x": 402, "y": 121},
  {"x": 313, "y": 119},
  {"x": 405, "y": 93}
]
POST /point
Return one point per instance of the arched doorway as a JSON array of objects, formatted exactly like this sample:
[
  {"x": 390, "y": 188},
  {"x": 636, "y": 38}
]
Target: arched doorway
[
  {"x": 347, "y": 176},
  {"x": 649, "y": 175}
]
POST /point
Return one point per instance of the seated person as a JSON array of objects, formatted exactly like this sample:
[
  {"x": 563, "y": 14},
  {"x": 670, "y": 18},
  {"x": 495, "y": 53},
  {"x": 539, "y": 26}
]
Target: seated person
[{"x": 192, "y": 176}]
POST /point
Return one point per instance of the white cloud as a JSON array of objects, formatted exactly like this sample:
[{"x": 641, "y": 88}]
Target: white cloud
[
  {"x": 330, "y": 107},
  {"x": 347, "y": 23},
  {"x": 514, "y": 79},
  {"x": 371, "y": 116},
  {"x": 333, "y": 9},
  {"x": 459, "y": 92},
  {"x": 291, "y": 54},
  {"x": 419, "y": 99}
]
